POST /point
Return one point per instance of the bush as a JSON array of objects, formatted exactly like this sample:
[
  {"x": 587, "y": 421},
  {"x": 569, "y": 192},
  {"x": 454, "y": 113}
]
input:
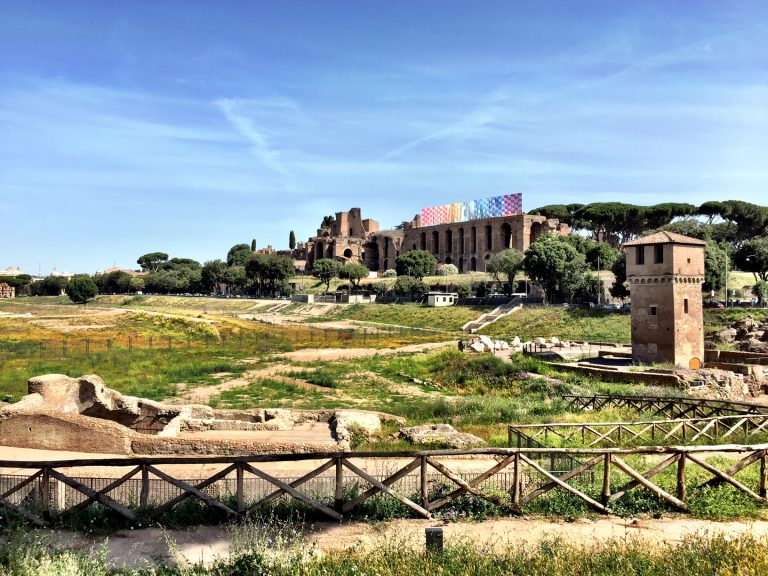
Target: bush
[
  {"x": 379, "y": 288},
  {"x": 464, "y": 291},
  {"x": 389, "y": 273},
  {"x": 447, "y": 270},
  {"x": 81, "y": 289}
]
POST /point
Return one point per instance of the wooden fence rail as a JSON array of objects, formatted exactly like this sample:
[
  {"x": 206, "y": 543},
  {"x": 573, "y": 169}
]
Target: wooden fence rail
[
  {"x": 668, "y": 407},
  {"x": 34, "y": 496},
  {"x": 590, "y": 434}
]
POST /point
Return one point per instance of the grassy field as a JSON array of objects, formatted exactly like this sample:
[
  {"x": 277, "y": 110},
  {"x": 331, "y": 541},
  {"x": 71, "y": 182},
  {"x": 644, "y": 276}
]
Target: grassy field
[
  {"x": 413, "y": 315},
  {"x": 282, "y": 550},
  {"x": 566, "y": 323}
]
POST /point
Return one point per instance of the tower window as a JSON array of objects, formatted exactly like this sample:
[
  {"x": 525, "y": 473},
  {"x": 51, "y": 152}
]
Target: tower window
[
  {"x": 653, "y": 309},
  {"x": 658, "y": 254},
  {"x": 640, "y": 256},
  {"x": 685, "y": 305}
]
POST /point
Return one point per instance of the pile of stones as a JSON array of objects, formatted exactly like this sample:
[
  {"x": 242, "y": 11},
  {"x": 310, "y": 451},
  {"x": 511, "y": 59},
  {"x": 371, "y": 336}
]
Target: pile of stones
[{"x": 748, "y": 335}]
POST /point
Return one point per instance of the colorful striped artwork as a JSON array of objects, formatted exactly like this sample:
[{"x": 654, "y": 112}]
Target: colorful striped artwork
[{"x": 508, "y": 205}]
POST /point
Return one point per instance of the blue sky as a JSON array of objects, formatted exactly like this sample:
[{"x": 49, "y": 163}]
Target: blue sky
[{"x": 187, "y": 127}]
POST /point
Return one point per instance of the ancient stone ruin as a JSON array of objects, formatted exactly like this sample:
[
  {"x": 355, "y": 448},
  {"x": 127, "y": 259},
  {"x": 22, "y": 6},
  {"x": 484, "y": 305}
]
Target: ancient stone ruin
[{"x": 84, "y": 415}]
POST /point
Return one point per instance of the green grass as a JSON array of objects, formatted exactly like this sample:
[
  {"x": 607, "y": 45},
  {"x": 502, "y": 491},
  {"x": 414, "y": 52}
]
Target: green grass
[
  {"x": 450, "y": 318},
  {"x": 264, "y": 548},
  {"x": 566, "y": 323}
]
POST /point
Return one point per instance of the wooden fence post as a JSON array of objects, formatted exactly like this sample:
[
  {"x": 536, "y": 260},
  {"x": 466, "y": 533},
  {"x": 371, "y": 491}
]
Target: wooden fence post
[
  {"x": 424, "y": 484},
  {"x": 339, "y": 492},
  {"x": 681, "y": 477},
  {"x": 240, "y": 488},
  {"x": 606, "y": 493},
  {"x": 45, "y": 493},
  {"x": 144, "y": 495},
  {"x": 762, "y": 489},
  {"x": 516, "y": 481}
]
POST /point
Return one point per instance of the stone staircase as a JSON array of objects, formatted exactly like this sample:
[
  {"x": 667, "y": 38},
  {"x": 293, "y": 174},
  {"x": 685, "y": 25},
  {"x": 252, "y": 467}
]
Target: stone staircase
[{"x": 499, "y": 312}]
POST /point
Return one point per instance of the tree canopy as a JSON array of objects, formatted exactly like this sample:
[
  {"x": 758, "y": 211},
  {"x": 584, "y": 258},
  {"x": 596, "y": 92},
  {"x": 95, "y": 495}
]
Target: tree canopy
[
  {"x": 325, "y": 269},
  {"x": 269, "y": 272},
  {"x": 238, "y": 255},
  {"x": 504, "y": 266},
  {"x": 355, "y": 273},
  {"x": 416, "y": 263},
  {"x": 752, "y": 256},
  {"x": 557, "y": 266},
  {"x": 153, "y": 261},
  {"x": 81, "y": 289}
]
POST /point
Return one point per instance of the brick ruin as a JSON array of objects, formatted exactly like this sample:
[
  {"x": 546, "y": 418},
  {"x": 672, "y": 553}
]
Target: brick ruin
[
  {"x": 84, "y": 415},
  {"x": 468, "y": 245},
  {"x": 665, "y": 272},
  {"x": 7, "y": 291}
]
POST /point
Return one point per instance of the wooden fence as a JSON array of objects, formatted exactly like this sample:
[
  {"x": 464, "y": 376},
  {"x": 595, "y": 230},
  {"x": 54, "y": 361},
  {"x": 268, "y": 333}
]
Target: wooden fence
[
  {"x": 590, "y": 434},
  {"x": 33, "y": 496},
  {"x": 665, "y": 406}
]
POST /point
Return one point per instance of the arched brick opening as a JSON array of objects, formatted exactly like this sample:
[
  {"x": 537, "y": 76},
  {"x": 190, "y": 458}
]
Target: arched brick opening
[
  {"x": 423, "y": 240},
  {"x": 473, "y": 239},
  {"x": 319, "y": 251},
  {"x": 506, "y": 231},
  {"x": 435, "y": 242},
  {"x": 461, "y": 240},
  {"x": 448, "y": 240},
  {"x": 488, "y": 237},
  {"x": 348, "y": 253},
  {"x": 535, "y": 231},
  {"x": 461, "y": 265},
  {"x": 473, "y": 264}
]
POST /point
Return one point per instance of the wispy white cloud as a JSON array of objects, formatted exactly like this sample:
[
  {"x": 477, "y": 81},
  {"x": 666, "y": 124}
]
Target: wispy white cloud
[
  {"x": 260, "y": 145},
  {"x": 507, "y": 101}
]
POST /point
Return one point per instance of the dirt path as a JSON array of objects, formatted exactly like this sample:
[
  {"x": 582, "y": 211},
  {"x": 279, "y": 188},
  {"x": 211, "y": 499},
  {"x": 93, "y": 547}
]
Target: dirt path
[
  {"x": 314, "y": 354},
  {"x": 205, "y": 544},
  {"x": 203, "y": 394}
]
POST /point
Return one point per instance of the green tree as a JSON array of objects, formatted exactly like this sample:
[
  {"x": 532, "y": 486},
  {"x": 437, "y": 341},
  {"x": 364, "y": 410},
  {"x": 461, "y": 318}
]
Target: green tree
[
  {"x": 81, "y": 289},
  {"x": 136, "y": 284},
  {"x": 555, "y": 265},
  {"x": 325, "y": 269},
  {"x": 355, "y": 273},
  {"x": 416, "y": 263},
  {"x": 379, "y": 288},
  {"x": 752, "y": 256},
  {"x": 714, "y": 267},
  {"x": 504, "y": 266},
  {"x": 253, "y": 245},
  {"x": 153, "y": 261},
  {"x": 292, "y": 240},
  {"x": 619, "y": 289},
  {"x": 213, "y": 274},
  {"x": 603, "y": 254},
  {"x": 760, "y": 291},
  {"x": 236, "y": 276},
  {"x": 270, "y": 272},
  {"x": 48, "y": 286},
  {"x": 238, "y": 255},
  {"x": 328, "y": 221},
  {"x": 405, "y": 285}
]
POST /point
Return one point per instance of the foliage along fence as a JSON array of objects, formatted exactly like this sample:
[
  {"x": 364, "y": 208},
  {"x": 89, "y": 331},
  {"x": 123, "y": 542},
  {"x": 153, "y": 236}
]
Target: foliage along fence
[
  {"x": 272, "y": 339},
  {"x": 691, "y": 430},
  {"x": 666, "y": 406},
  {"x": 34, "y": 496},
  {"x": 688, "y": 420}
]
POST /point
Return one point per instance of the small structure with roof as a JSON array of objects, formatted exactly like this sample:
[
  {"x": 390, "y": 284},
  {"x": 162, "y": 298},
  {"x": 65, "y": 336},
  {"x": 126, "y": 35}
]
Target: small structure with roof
[
  {"x": 665, "y": 272},
  {"x": 436, "y": 299}
]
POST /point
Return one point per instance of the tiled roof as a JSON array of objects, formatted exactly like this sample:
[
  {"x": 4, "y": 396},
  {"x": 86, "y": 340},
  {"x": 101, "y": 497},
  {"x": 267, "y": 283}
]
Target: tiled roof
[{"x": 665, "y": 237}]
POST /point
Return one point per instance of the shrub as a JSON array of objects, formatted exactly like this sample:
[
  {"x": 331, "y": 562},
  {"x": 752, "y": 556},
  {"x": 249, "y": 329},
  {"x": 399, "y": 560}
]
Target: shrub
[
  {"x": 447, "y": 270},
  {"x": 389, "y": 273}
]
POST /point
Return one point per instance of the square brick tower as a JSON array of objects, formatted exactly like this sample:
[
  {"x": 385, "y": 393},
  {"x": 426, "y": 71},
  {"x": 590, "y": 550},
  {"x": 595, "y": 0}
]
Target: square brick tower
[{"x": 665, "y": 272}]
